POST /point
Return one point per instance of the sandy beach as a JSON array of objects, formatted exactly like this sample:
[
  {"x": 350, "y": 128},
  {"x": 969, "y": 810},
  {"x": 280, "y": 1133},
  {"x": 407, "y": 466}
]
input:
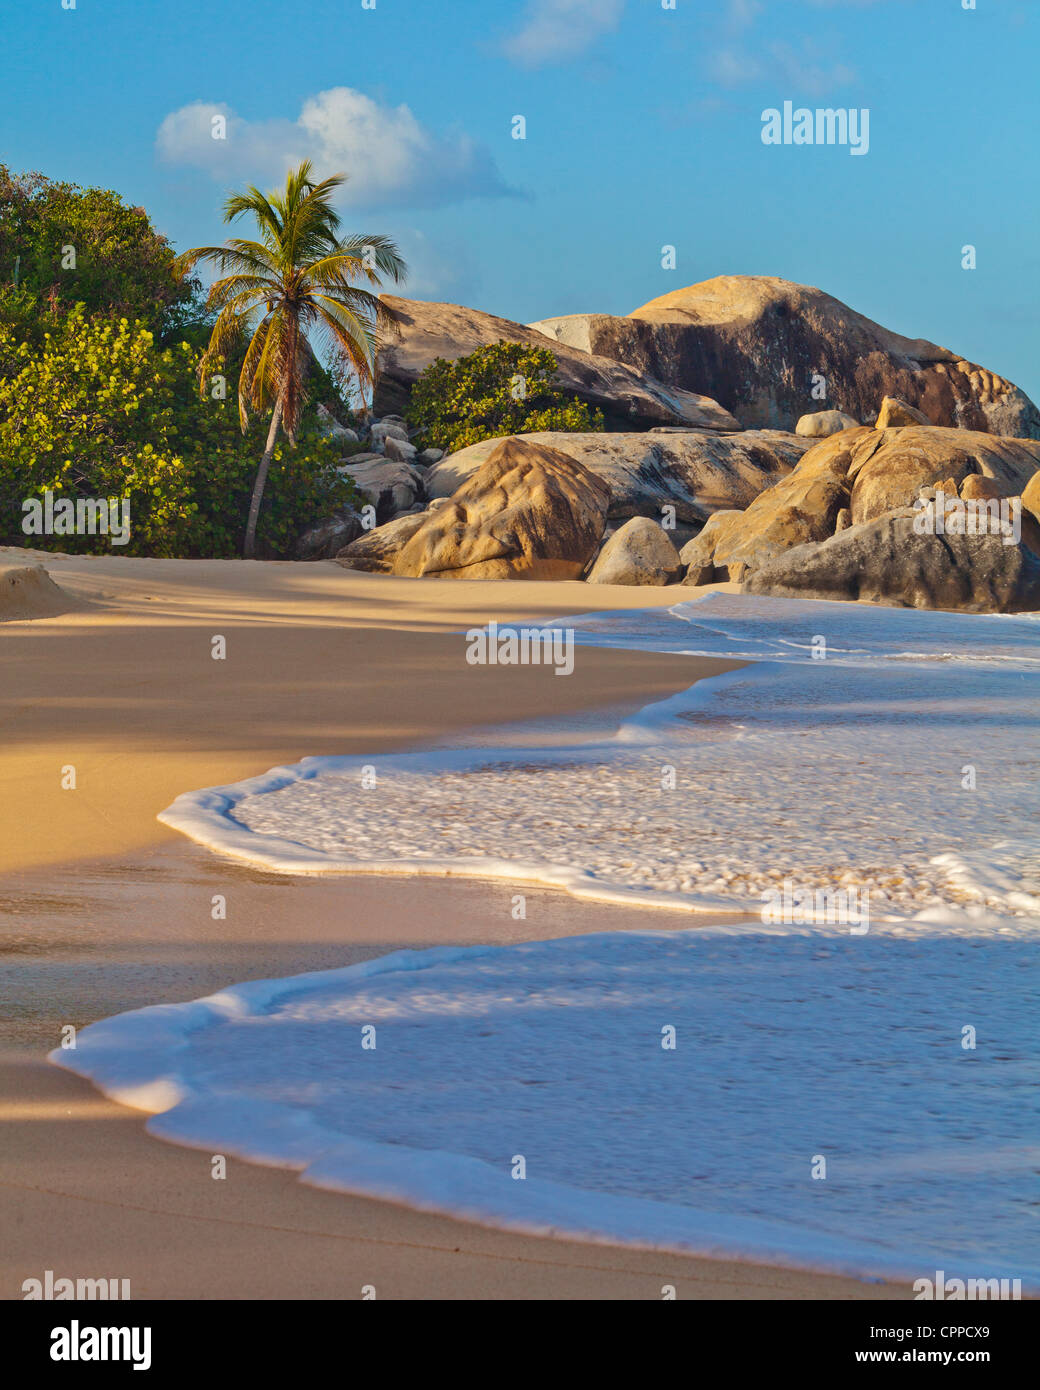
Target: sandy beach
[{"x": 106, "y": 910}]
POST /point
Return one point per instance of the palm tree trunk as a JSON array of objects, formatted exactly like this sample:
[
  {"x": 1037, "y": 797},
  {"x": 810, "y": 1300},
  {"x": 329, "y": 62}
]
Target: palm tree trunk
[{"x": 261, "y": 480}]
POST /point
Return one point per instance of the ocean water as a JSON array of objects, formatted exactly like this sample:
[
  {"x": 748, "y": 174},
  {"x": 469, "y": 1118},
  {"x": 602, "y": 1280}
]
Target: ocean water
[
  {"x": 856, "y": 1098},
  {"x": 905, "y": 762}
]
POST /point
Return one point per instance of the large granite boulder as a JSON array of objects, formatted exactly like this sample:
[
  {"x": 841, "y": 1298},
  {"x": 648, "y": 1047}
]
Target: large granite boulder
[
  {"x": 896, "y": 415},
  {"x": 330, "y": 428},
  {"x": 757, "y": 343},
  {"x": 823, "y": 423},
  {"x": 391, "y": 427},
  {"x": 377, "y": 549},
  {"x": 695, "y": 471},
  {"x": 639, "y": 553},
  {"x": 629, "y": 399},
  {"x": 391, "y": 486},
  {"x": 801, "y": 508},
  {"x": 862, "y": 471},
  {"x": 530, "y": 512},
  {"x": 1031, "y": 496},
  {"x": 976, "y": 488},
  {"x": 886, "y": 561},
  {"x": 399, "y": 450},
  {"x": 887, "y": 468}
]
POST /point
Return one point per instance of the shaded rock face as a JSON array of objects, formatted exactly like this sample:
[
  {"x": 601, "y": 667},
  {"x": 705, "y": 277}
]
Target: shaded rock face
[
  {"x": 328, "y": 537},
  {"x": 628, "y": 399},
  {"x": 980, "y": 509},
  {"x": 376, "y": 550},
  {"x": 698, "y": 554},
  {"x": 756, "y": 342},
  {"x": 695, "y": 471},
  {"x": 390, "y": 486},
  {"x": 640, "y": 553},
  {"x": 886, "y": 561},
  {"x": 866, "y": 473},
  {"x": 530, "y": 512}
]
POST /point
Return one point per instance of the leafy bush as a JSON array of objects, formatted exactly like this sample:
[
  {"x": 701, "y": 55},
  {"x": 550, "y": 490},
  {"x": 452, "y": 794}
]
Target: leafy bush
[
  {"x": 101, "y": 411},
  {"x": 502, "y": 389}
]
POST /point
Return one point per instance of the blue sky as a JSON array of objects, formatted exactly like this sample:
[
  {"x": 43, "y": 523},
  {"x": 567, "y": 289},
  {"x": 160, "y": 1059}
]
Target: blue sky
[{"x": 643, "y": 130}]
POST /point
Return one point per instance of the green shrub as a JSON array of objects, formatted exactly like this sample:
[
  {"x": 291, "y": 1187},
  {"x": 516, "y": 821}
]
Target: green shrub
[
  {"x": 100, "y": 411},
  {"x": 502, "y": 389}
]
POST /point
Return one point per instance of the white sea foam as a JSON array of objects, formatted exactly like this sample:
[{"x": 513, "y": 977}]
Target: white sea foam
[{"x": 844, "y": 771}]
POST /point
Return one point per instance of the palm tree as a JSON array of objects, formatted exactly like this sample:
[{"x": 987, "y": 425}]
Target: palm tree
[{"x": 300, "y": 277}]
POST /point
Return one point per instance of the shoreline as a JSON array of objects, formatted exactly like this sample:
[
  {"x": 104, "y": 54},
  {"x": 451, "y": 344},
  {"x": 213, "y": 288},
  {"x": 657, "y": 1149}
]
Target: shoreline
[
  {"x": 135, "y": 1060},
  {"x": 104, "y": 1194},
  {"x": 207, "y": 816},
  {"x": 112, "y": 912}
]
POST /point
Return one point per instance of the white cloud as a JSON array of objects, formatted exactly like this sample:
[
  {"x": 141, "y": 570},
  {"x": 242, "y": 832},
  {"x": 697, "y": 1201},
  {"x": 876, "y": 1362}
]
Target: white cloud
[
  {"x": 743, "y": 13},
  {"x": 808, "y": 65},
  {"x": 808, "y": 69},
  {"x": 732, "y": 67},
  {"x": 391, "y": 158},
  {"x": 554, "y": 30},
  {"x": 803, "y": 71}
]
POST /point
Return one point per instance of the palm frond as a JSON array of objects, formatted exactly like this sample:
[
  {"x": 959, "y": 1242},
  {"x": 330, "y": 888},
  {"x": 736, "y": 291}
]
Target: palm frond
[
  {"x": 242, "y": 291},
  {"x": 382, "y": 250},
  {"x": 249, "y": 364},
  {"x": 298, "y": 276}
]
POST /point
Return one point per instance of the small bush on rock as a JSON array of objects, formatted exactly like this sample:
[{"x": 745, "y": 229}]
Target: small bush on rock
[{"x": 501, "y": 389}]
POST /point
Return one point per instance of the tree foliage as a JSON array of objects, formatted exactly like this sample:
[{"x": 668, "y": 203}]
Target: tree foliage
[
  {"x": 100, "y": 410},
  {"x": 62, "y": 245},
  {"x": 298, "y": 278},
  {"x": 502, "y": 389}
]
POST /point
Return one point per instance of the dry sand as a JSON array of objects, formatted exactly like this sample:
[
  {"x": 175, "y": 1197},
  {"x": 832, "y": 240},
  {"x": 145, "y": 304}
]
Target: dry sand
[
  {"x": 104, "y": 909},
  {"x": 28, "y": 591}
]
